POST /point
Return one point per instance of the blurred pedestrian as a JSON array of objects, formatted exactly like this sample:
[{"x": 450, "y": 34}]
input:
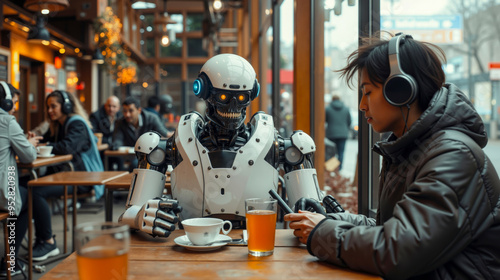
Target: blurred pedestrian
[{"x": 338, "y": 120}]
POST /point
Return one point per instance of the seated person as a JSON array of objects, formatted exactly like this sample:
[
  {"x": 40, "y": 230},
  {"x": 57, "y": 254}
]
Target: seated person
[
  {"x": 439, "y": 199},
  {"x": 69, "y": 133},
  {"x": 16, "y": 144},
  {"x": 134, "y": 123},
  {"x": 103, "y": 121},
  {"x": 154, "y": 105},
  {"x": 161, "y": 106}
]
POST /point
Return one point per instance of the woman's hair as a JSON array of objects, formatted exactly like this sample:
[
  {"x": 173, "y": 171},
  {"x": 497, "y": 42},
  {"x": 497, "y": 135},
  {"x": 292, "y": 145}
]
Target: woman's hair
[
  {"x": 77, "y": 109},
  {"x": 421, "y": 60}
]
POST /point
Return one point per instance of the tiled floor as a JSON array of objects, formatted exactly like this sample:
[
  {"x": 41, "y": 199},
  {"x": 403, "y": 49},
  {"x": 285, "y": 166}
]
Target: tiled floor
[{"x": 57, "y": 228}]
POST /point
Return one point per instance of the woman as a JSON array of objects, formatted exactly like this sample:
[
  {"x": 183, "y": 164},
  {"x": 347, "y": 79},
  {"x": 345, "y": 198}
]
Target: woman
[
  {"x": 439, "y": 207},
  {"x": 14, "y": 143},
  {"x": 69, "y": 133}
]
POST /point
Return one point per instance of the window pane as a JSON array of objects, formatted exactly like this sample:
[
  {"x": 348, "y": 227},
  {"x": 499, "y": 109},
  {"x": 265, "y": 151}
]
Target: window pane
[
  {"x": 286, "y": 68},
  {"x": 194, "y": 22},
  {"x": 149, "y": 47},
  {"x": 194, "y": 47},
  {"x": 170, "y": 83},
  {"x": 341, "y": 38},
  {"x": 173, "y": 50}
]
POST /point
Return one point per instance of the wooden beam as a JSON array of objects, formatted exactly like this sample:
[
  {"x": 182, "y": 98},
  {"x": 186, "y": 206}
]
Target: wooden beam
[{"x": 308, "y": 88}]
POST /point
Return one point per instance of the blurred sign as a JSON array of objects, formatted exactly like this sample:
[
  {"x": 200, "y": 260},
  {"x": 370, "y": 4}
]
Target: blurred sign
[
  {"x": 494, "y": 71},
  {"x": 437, "y": 29}
]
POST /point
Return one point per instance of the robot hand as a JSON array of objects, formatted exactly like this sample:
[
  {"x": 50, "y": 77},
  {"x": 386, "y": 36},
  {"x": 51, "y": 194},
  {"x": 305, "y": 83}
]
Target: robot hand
[
  {"x": 310, "y": 205},
  {"x": 157, "y": 216},
  {"x": 330, "y": 204}
]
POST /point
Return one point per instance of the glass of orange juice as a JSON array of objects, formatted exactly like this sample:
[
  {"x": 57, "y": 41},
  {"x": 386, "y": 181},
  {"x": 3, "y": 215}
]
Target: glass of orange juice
[
  {"x": 261, "y": 225},
  {"x": 102, "y": 250}
]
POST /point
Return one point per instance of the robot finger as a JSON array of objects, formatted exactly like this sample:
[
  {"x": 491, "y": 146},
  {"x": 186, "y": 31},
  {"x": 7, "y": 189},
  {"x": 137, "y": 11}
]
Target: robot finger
[
  {"x": 164, "y": 225},
  {"x": 160, "y": 232},
  {"x": 177, "y": 210},
  {"x": 168, "y": 204},
  {"x": 309, "y": 205},
  {"x": 167, "y": 216}
]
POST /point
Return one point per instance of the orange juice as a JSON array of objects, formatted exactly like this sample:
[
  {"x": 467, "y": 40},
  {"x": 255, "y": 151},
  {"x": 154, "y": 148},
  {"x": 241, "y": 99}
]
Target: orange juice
[
  {"x": 100, "y": 262},
  {"x": 261, "y": 227}
]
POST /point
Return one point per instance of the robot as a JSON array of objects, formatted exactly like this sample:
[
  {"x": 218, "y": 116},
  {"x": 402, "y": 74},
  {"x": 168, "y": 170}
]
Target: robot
[{"x": 217, "y": 160}]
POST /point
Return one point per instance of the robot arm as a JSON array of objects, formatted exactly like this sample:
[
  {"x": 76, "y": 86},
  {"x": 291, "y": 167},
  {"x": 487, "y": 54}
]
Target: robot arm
[
  {"x": 300, "y": 175},
  {"x": 146, "y": 209},
  {"x": 300, "y": 178}
]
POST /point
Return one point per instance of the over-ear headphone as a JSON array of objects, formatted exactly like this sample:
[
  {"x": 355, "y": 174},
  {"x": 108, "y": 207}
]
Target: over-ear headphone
[
  {"x": 255, "y": 90},
  {"x": 400, "y": 89},
  {"x": 7, "y": 103},
  {"x": 201, "y": 87},
  {"x": 67, "y": 106}
]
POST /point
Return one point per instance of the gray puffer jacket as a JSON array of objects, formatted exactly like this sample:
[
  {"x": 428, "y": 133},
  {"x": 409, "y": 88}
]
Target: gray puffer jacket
[{"x": 439, "y": 203}]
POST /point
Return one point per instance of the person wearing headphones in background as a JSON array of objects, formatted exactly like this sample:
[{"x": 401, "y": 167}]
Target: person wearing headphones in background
[
  {"x": 70, "y": 133},
  {"x": 438, "y": 212},
  {"x": 14, "y": 143}
]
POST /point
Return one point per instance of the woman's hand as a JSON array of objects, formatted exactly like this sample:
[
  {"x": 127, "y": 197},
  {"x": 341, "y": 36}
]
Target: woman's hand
[
  {"x": 303, "y": 223},
  {"x": 34, "y": 139}
]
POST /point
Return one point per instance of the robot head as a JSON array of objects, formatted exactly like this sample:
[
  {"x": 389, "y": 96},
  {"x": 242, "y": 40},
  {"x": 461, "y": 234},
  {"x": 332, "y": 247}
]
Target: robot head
[
  {"x": 228, "y": 83},
  {"x": 166, "y": 104}
]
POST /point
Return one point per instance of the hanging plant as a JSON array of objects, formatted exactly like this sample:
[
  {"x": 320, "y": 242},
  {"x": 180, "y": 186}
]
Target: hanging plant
[{"x": 116, "y": 56}]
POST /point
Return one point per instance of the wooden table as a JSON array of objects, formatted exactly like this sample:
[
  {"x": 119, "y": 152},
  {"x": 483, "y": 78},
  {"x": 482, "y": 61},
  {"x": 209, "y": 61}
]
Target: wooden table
[
  {"x": 120, "y": 184},
  {"x": 124, "y": 153},
  {"x": 71, "y": 178},
  {"x": 45, "y": 162},
  {"x": 160, "y": 258}
]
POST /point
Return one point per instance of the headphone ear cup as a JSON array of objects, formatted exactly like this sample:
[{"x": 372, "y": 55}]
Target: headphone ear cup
[
  {"x": 7, "y": 103},
  {"x": 67, "y": 107},
  {"x": 400, "y": 90},
  {"x": 255, "y": 90},
  {"x": 200, "y": 87}
]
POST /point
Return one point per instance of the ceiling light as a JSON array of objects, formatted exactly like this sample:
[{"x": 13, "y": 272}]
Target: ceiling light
[
  {"x": 38, "y": 33},
  {"x": 48, "y": 5}
]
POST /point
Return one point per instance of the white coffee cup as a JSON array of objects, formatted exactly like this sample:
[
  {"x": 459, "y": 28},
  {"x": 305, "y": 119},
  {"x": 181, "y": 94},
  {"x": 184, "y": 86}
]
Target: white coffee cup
[
  {"x": 45, "y": 150},
  {"x": 202, "y": 231}
]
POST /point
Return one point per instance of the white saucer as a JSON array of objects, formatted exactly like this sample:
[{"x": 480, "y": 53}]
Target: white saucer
[
  {"x": 40, "y": 156},
  {"x": 184, "y": 242}
]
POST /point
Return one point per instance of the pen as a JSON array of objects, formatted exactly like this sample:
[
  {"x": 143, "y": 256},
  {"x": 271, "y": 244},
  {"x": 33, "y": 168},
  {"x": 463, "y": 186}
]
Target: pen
[{"x": 281, "y": 202}]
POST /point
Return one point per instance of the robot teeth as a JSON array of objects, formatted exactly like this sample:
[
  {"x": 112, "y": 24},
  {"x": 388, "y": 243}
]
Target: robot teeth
[{"x": 229, "y": 115}]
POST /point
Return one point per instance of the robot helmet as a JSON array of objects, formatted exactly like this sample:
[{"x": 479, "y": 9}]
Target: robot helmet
[{"x": 228, "y": 83}]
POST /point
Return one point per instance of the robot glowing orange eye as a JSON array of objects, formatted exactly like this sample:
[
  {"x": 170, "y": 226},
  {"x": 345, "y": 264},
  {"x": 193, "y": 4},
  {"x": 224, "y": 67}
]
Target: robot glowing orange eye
[
  {"x": 223, "y": 97},
  {"x": 241, "y": 97}
]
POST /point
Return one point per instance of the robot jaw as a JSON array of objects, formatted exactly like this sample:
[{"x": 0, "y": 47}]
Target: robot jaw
[{"x": 230, "y": 114}]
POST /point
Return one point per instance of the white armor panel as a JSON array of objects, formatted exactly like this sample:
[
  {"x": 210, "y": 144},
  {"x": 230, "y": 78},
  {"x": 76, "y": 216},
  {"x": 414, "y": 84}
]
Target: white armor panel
[
  {"x": 146, "y": 184},
  {"x": 203, "y": 190},
  {"x": 302, "y": 183}
]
